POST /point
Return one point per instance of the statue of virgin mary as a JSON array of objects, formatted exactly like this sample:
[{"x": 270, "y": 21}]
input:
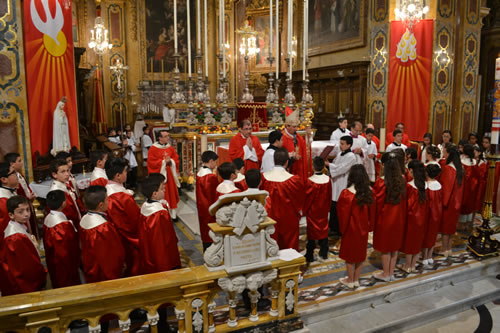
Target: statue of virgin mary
[{"x": 60, "y": 129}]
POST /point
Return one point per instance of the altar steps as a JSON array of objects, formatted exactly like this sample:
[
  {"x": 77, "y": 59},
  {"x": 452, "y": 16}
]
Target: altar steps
[{"x": 410, "y": 303}]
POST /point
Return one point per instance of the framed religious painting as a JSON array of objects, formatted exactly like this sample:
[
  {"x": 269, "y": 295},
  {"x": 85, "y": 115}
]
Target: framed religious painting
[
  {"x": 336, "y": 25},
  {"x": 260, "y": 23},
  {"x": 157, "y": 36}
]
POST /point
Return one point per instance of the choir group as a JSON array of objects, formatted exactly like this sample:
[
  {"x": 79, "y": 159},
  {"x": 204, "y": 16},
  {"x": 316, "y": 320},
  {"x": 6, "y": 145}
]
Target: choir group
[{"x": 405, "y": 196}]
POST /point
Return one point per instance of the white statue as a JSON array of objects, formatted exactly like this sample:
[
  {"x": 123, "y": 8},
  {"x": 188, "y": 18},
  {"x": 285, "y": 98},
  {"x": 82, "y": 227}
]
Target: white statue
[
  {"x": 169, "y": 115},
  {"x": 60, "y": 129},
  {"x": 226, "y": 118},
  {"x": 209, "y": 119}
]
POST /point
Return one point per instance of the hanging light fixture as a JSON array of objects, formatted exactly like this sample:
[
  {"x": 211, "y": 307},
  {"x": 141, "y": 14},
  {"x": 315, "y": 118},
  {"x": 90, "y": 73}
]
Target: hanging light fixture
[
  {"x": 99, "y": 37},
  {"x": 248, "y": 48},
  {"x": 411, "y": 11}
]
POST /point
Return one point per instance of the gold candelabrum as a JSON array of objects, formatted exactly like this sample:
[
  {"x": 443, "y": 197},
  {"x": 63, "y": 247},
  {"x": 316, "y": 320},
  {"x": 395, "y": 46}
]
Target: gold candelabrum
[{"x": 480, "y": 242}]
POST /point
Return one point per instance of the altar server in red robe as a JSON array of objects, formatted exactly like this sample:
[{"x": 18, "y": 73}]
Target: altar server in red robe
[
  {"x": 61, "y": 244},
  {"x": 246, "y": 146},
  {"x": 316, "y": 208},
  {"x": 206, "y": 194},
  {"x": 62, "y": 155},
  {"x": 482, "y": 166},
  {"x": 103, "y": 254},
  {"x": 300, "y": 158},
  {"x": 471, "y": 187},
  {"x": 98, "y": 160},
  {"x": 8, "y": 185},
  {"x": 356, "y": 214},
  {"x": 21, "y": 270},
  {"x": 24, "y": 190},
  {"x": 227, "y": 171},
  {"x": 435, "y": 212},
  {"x": 390, "y": 197},
  {"x": 123, "y": 211},
  {"x": 240, "y": 182},
  {"x": 157, "y": 239},
  {"x": 287, "y": 195},
  {"x": 60, "y": 173},
  {"x": 389, "y": 138},
  {"x": 163, "y": 158},
  {"x": 416, "y": 215},
  {"x": 452, "y": 181}
]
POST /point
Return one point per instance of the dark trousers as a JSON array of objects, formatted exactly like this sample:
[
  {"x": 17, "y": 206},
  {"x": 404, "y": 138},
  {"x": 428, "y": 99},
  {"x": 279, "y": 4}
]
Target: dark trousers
[
  {"x": 132, "y": 177},
  {"x": 334, "y": 219},
  {"x": 323, "y": 249}
]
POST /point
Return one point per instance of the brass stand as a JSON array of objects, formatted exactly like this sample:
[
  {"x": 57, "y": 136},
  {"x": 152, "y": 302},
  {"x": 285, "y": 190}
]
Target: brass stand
[{"x": 480, "y": 242}]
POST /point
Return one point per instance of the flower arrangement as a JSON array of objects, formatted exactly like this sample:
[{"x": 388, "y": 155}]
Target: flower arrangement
[
  {"x": 200, "y": 115},
  {"x": 215, "y": 129},
  {"x": 301, "y": 127}
]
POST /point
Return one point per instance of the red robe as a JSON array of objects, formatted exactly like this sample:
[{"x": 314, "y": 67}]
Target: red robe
[
  {"x": 435, "y": 213},
  {"x": 72, "y": 210},
  {"x": 124, "y": 214},
  {"x": 416, "y": 221},
  {"x": 390, "y": 139},
  {"x": 317, "y": 206},
  {"x": 25, "y": 190},
  {"x": 62, "y": 250},
  {"x": 5, "y": 194},
  {"x": 302, "y": 167},
  {"x": 156, "y": 165},
  {"x": 483, "y": 177},
  {"x": 236, "y": 146},
  {"x": 390, "y": 221},
  {"x": 157, "y": 239},
  {"x": 98, "y": 177},
  {"x": 355, "y": 224},
  {"x": 74, "y": 186},
  {"x": 287, "y": 196},
  {"x": 206, "y": 195},
  {"x": 226, "y": 187},
  {"x": 21, "y": 270},
  {"x": 241, "y": 183},
  {"x": 471, "y": 186},
  {"x": 452, "y": 199},
  {"x": 103, "y": 255}
]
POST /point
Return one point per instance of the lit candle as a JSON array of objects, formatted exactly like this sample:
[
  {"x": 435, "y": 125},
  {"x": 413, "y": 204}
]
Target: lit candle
[
  {"x": 206, "y": 36},
  {"x": 271, "y": 28},
  {"x": 382, "y": 140},
  {"x": 188, "y": 12},
  {"x": 277, "y": 39},
  {"x": 304, "y": 41},
  {"x": 195, "y": 166},
  {"x": 175, "y": 26},
  {"x": 223, "y": 41}
]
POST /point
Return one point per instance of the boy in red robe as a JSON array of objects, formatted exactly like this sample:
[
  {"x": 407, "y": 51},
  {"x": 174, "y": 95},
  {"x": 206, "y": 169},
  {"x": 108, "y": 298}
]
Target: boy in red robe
[
  {"x": 227, "y": 171},
  {"x": 62, "y": 155},
  {"x": 8, "y": 185},
  {"x": 240, "y": 182},
  {"x": 20, "y": 266},
  {"x": 246, "y": 146},
  {"x": 103, "y": 254},
  {"x": 60, "y": 173},
  {"x": 98, "y": 160},
  {"x": 163, "y": 158},
  {"x": 435, "y": 212},
  {"x": 286, "y": 193},
  {"x": 60, "y": 240},
  {"x": 317, "y": 208},
  {"x": 206, "y": 194},
  {"x": 157, "y": 239},
  {"x": 300, "y": 158},
  {"x": 123, "y": 212}
]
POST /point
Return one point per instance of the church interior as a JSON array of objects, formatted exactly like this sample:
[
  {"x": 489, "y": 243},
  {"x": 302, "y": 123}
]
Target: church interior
[{"x": 179, "y": 90}]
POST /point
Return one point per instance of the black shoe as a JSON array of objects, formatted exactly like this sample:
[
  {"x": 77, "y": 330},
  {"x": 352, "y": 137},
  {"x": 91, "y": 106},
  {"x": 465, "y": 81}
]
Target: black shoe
[{"x": 175, "y": 219}]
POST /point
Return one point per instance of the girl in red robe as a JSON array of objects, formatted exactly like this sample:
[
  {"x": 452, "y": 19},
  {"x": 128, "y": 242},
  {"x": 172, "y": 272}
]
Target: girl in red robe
[
  {"x": 482, "y": 166},
  {"x": 417, "y": 212},
  {"x": 471, "y": 187},
  {"x": 156, "y": 232},
  {"x": 356, "y": 211},
  {"x": 60, "y": 240},
  {"x": 390, "y": 197},
  {"x": 435, "y": 212},
  {"x": 451, "y": 180}
]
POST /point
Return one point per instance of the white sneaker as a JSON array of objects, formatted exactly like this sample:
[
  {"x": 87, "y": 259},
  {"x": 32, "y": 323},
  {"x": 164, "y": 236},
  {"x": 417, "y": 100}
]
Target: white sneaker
[
  {"x": 425, "y": 262},
  {"x": 430, "y": 261}
]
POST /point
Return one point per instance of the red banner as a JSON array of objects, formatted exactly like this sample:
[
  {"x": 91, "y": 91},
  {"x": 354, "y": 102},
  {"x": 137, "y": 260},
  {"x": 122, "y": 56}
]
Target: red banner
[
  {"x": 410, "y": 77},
  {"x": 255, "y": 112},
  {"x": 50, "y": 68}
]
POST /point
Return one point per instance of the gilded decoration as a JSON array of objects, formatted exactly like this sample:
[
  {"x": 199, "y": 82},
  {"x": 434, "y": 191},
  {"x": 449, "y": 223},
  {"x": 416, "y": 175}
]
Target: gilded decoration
[
  {"x": 133, "y": 19},
  {"x": 442, "y": 59},
  {"x": 472, "y": 11},
  {"x": 379, "y": 62},
  {"x": 114, "y": 90},
  {"x": 115, "y": 25},
  {"x": 470, "y": 64},
  {"x": 446, "y": 8},
  {"x": 380, "y": 10}
]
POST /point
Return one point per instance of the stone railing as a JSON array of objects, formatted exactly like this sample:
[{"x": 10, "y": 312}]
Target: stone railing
[{"x": 191, "y": 291}]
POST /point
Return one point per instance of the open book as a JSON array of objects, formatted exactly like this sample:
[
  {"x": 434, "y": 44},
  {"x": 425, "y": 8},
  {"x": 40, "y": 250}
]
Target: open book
[{"x": 326, "y": 152}]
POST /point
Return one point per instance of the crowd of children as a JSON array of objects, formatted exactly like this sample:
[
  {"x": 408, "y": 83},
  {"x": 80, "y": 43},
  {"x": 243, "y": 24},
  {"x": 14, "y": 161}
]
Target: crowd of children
[{"x": 416, "y": 196}]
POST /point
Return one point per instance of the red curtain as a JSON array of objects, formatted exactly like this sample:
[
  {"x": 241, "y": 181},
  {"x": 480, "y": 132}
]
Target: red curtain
[
  {"x": 99, "y": 111},
  {"x": 255, "y": 112},
  {"x": 50, "y": 68},
  {"x": 410, "y": 77}
]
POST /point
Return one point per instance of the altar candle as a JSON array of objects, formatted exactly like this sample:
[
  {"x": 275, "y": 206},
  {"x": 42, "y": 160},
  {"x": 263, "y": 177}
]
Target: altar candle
[
  {"x": 382, "y": 140},
  {"x": 198, "y": 26},
  {"x": 188, "y": 13},
  {"x": 223, "y": 41},
  {"x": 304, "y": 41},
  {"x": 290, "y": 29},
  {"x": 277, "y": 39},
  {"x": 204, "y": 143},
  {"x": 271, "y": 28},
  {"x": 175, "y": 26},
  {"x": 195, "y": 166},
  {"x": 205, "y": 36}
]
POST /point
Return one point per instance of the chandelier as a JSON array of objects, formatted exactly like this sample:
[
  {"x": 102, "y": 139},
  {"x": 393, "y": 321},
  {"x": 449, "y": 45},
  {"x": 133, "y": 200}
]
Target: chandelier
[
  {"x": 248, "y": 48},
  {"x": 411, "y": 11},
  {"x": 99, "y": 39}
]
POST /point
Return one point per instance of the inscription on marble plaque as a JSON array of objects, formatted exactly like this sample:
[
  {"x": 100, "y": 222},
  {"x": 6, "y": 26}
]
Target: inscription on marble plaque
[{"x": 245, "y": 249}]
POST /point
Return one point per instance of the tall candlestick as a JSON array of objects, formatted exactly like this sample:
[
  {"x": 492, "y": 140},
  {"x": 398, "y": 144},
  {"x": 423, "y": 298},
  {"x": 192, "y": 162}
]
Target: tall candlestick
[
  {"x": 175, "y": 26},
  {"x": 198, "y": 27},
  {"x": 271, "y": 37},
  {"x": 205, "y": 25},
  {"x": 220, "y": 29},
  {"x": 304, "y": 41},
  {"x": 188, "y": 13},
  {"x": 223, "y": 18},
  {"x": 277, "y": 39},
  {"x": 290, "y": 29}
]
